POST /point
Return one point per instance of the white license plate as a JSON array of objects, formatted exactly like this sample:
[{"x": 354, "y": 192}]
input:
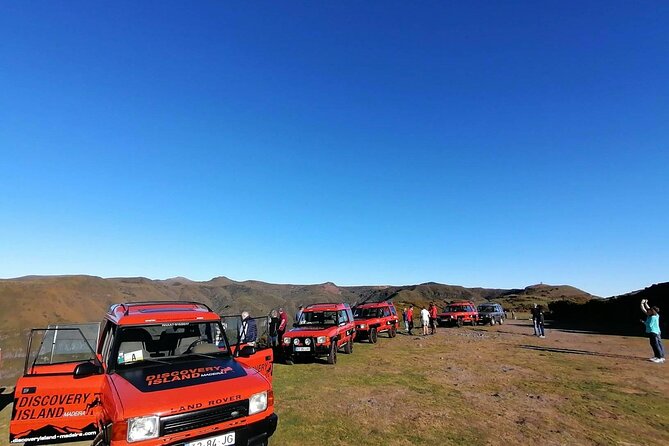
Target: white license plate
[
  {"x": 220, "y": 440},
  {"x": 302, "y": 349}
]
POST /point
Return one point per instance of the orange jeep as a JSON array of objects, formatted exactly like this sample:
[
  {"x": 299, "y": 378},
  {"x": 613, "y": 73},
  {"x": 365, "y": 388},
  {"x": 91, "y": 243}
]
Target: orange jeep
[
  {"x": 322, "y": 330},
  {"x": 374, "y": 318},
  {"x": 162, "y": 373},
  {"x": 458, "y": 313}
]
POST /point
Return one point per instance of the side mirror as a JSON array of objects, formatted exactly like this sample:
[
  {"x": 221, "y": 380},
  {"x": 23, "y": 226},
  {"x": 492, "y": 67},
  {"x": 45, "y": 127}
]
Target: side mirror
[
  {"x": 87, "y": 369},
  {"x": 247, "y": 351}
]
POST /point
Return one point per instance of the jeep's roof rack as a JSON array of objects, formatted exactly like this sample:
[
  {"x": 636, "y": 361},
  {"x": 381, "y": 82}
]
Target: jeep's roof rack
[{"x": 127, "y": 305}]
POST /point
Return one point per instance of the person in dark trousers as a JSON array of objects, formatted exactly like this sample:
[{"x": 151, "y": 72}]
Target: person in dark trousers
[
  {"x": 410, "y": 318},
  {"x": 653, "y": 331},
  {"x": 273, "y": 328},
  {"x": 535, "y": 318},
  {"x": 283, "y": 323},
  {"x": 539, "y": 324},
  {"x": 433, "y": 318}
]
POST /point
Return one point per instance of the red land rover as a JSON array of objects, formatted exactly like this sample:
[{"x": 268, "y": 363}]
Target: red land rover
[
  {"x": 163, "y": 373},
  {"x": 458, "y": 313},
  {"x": 322, "y": 330},
  {"x": 374, "y": 318}
]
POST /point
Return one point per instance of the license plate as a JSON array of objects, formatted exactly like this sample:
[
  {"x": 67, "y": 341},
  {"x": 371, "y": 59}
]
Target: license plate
[
  {"x": 220, "y": 440},
  {"x": 302, "y": 349}
]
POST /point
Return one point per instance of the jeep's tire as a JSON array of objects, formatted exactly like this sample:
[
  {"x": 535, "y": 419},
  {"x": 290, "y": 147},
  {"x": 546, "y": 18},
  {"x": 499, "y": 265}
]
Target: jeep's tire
[
  {"x": 349, "y": 347},
  {"x": 459, "y": 322},
  {"x": 501, "y": 320},
  {"x": 492, "y": 321},
  {"x": 372, "y": 335},
  {"x": 393, "y": 331},
  {"x": 332, "y": 356},
  {"x": 289, "y": 361}
]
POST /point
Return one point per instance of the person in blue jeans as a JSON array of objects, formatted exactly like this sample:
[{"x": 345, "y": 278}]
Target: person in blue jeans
[{"x": 653, "y": 331}]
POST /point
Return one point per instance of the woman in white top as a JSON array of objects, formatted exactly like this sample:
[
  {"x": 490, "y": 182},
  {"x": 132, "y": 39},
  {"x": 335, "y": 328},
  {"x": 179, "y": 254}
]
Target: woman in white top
[{"x": 425, "y": 319}]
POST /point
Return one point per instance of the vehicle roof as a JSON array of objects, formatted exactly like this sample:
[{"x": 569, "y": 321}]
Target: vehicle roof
[
  {"x": 375, "y": 305},
  {"x": 139, "y": 313},
  {"x": 327, "y": 307}
]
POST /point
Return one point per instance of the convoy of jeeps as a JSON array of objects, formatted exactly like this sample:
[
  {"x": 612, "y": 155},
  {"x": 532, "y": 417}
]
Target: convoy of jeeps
[{"x": 178, "y": 374}]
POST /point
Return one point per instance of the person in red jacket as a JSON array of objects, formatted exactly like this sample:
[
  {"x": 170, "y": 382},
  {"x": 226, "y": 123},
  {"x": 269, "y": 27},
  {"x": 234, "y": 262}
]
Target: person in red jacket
[
  {"x": 283, "y": 317},
  {"x": 433, "y": 318},
  {"x": 410, "y": 318}
]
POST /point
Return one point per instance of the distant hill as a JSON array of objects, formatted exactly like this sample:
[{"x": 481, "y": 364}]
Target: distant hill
[{"x": 618, "y": 314}]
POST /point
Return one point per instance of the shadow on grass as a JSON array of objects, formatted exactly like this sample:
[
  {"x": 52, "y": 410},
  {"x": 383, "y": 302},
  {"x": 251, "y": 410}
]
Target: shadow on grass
[
  {"x": 5, "y": 398},
  {"x": 572, "y": 351}
]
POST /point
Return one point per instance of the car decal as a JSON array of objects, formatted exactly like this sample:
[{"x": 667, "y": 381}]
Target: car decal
[{"x": 173, "y": 376}]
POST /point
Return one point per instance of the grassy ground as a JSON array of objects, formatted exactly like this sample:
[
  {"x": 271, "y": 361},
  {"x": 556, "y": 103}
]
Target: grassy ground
[
  {"x": 484, "y": 385},
  {"x": 475, "y": 385}
]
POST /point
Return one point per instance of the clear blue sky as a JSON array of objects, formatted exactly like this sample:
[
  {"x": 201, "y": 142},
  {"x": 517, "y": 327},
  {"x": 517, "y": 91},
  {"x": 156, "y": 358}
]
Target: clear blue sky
[{"x": 495, "y": 144}]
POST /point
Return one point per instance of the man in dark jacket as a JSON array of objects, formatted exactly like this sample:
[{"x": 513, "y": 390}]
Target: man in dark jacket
[{"x": 248, "y": 332}]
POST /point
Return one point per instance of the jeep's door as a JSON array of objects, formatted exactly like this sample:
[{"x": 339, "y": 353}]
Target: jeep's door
[
  {"x": 250, "y": 342},
  {"x": 58, "y": 397}
]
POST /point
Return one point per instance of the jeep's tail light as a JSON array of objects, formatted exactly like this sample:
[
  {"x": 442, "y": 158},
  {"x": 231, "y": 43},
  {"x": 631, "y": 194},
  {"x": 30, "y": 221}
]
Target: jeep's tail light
[{"x": 258, "y": 403}]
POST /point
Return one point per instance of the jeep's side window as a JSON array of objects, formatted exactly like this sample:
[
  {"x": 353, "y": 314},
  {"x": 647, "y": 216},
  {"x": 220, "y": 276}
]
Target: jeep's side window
[
  {"x": 393, "y": 311},
  {"x": 343, "y": 317}
]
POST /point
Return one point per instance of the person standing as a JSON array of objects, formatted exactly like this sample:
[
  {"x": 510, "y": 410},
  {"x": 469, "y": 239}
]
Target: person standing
[
  {"x": 433, "y": 318},
  {"x": 535, "y": 318},
  {"x": 274, "y": 322},
  {"x": 405, "y": 319},
  {"x": 653, "y": 331},
  {"x": 540, "y": 321},
  {"x": 248, "y": 332},
  {"x": 283, "y": 322},
  {"x": 410, "y": 319},
  {"x": 425, "y": 320},
  {"x": 298, "y": 315}
]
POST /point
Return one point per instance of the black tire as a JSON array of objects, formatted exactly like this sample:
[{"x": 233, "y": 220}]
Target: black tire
[
  {"x": 393, "y": 331},
  {"x": 289, "y": 361},
  {"x": 501, "y": 320},
  {"x": 348, "y": 349},
  {"x": 492, "y": 321},
  {"x": 459, "y": 322},
  {"x": 372, "y": 336},
  {"x": 332, "y": 356}
]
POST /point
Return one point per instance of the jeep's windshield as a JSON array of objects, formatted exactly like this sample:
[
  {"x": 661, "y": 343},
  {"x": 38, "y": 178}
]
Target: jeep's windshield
[
  {"x": 318, "y": 318},
  {"x": 148, "y": 344},
  {"x": 457, "y": 309},
  {"x": 366, "y": 313},
  {"x": 487, "y": 309}
]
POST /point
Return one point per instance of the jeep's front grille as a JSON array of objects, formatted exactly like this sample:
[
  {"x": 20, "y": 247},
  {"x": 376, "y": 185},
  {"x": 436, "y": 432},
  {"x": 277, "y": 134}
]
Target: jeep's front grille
[{"x": 206, "y": 417}]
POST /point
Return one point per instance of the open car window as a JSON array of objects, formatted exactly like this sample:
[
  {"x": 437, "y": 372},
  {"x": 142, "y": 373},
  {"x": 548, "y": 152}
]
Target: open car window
[
  {"x": 61, "y": 344},
  {"x": 255, "y": 331},
  {"x": 167, "y": 342},
  {"x": 319, "y": 318}
]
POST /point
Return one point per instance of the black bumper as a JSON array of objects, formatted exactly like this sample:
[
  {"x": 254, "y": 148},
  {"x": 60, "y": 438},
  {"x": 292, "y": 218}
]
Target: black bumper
[
  {"x": 254, "y": 434},
  {"x": 314, "y": 351}
]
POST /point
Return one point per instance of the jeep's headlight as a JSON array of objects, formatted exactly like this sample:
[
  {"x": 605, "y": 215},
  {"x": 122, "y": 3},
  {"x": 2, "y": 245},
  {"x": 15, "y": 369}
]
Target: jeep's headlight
[
  {"x": 257, "y": 403},
  {"x": 286, "y": 340},
  {"x": 320, "y": 340},
  {"x": 143, "y": 428},
  {"x": 361, "y": 326}
]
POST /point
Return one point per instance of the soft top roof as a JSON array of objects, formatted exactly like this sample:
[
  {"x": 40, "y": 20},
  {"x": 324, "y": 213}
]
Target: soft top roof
[
  {"x": 327, "y": 307},
  {"x": 137, "y": 313}
]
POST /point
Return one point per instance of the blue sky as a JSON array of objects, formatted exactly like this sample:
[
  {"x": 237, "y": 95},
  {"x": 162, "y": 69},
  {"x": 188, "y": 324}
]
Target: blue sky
[{"x": 495, "y": 144}]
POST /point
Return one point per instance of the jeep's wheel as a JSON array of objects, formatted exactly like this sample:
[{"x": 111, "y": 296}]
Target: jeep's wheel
[
  {"x": 501, "y": 320},
  {"x": 393, "y": 331},
  {"x": 492, "y": 321},
  {"x": 372, "y": 336},
  {"x": 332, "y": 356},
  {"x": 349, "y": 347},
  {"x": 289, "y": 361},
  {"x": 459, "y": 323}
]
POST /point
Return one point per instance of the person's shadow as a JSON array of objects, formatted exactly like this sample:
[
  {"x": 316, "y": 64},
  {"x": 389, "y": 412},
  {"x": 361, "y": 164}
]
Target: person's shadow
[{"x": 5, "y": 398}]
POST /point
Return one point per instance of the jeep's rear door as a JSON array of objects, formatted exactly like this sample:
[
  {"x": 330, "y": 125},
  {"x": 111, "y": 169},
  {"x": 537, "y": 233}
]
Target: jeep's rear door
[
  {"x": 58, "y": 397},
  {"x": 255, "y": 353}
]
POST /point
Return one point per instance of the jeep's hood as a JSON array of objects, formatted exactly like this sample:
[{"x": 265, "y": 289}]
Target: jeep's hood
[
  {"x": 165, "y": 389},
  {"x": 311, "y": 331},
  {"x": 366, "y": 320}
]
